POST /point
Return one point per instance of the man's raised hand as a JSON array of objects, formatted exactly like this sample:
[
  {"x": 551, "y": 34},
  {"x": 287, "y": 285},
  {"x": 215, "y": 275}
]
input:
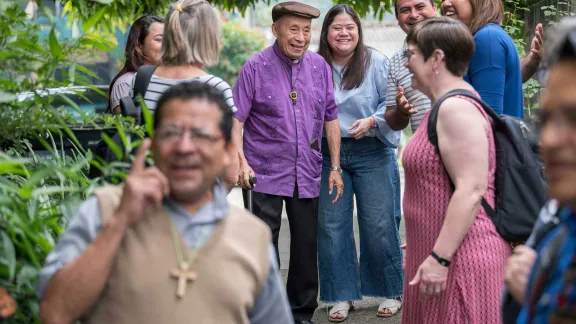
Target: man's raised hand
[
  {"x": 144, "y": 187},
  {"x": 402, "y": 103}
]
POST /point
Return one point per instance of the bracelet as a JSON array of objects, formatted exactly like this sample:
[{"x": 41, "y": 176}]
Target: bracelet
[
  {"x": 440, "y": 260},
  {"x": 373, "y": 122}
]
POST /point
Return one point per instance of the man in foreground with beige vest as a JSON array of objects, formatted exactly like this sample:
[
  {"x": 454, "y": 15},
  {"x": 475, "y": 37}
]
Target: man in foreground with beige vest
[{"x": 165, "y": 247}]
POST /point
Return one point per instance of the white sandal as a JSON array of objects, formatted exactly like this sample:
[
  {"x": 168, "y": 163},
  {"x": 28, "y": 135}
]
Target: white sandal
[
  {"x": 342, "y": 309},
  {"x": 390, "y": 304}
]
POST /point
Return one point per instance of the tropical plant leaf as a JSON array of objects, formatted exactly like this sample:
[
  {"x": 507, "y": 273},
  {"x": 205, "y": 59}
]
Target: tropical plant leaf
[
  {"x": 9, "y": 254},
  {"x": 115, "y": 149},
  {"x": 55, "y": 47}
]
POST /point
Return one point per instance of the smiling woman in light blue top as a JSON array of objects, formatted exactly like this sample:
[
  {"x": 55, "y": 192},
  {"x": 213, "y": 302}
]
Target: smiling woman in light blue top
[
  {"x": 369, "y": 171},
  {"x": 361, "y": 108}
]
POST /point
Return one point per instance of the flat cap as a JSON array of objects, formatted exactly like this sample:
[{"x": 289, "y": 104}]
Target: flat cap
[{"x": 294, "y": 8}]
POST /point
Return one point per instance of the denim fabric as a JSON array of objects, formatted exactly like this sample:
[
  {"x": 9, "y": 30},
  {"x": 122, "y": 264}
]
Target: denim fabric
[{"x": 370, "y": 172}]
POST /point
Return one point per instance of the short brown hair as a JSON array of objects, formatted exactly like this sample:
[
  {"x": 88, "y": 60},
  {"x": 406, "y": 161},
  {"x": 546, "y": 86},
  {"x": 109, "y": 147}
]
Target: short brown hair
[
  {"x": 191, "y": 34},
  {"x": 450, "y": 36},
  {"x": 486, "y": 12}
]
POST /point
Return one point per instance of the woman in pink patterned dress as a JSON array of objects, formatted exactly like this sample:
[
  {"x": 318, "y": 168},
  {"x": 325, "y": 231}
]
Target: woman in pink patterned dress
[{"x": 455, "y": 257}]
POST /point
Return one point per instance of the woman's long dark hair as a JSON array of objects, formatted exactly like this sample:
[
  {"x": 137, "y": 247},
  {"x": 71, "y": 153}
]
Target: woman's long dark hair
[
  {"x": 356, "y": 68},
  {"x": 134, "y": 60}
]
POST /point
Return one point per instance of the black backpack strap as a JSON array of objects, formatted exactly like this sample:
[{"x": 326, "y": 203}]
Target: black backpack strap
[
  {"x": 433, "y": 133},
  {"x": 143, "y": 77}
]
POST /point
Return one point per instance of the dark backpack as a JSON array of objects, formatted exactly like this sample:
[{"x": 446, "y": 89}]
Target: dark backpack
[
  {"x": 129, "y": 106},
  {"x": 520, "y": 184}
]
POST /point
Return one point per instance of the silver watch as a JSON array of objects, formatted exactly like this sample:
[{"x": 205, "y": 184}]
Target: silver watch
[{"x": 335, "y": 168}]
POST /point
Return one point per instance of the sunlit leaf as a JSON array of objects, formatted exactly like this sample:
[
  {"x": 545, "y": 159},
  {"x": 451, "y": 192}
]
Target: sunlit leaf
[
  {"x": 91, "y": 22},
  {"x": 55, "y": 48}
]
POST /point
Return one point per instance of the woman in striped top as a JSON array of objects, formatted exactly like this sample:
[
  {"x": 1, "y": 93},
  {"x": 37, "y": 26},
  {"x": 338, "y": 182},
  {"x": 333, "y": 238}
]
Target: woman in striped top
[{"x": 191, "y": 43}]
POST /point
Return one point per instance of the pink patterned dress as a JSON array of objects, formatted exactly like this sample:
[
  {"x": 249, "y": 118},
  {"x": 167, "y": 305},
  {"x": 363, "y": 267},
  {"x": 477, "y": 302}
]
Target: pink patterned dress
[{"x": 475, "y": 278}]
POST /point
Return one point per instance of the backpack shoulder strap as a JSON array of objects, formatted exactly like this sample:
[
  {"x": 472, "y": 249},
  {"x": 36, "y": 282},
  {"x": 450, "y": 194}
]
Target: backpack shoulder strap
[
  {"x": 433, "y": 118},
  {"x": 433, "y": 134},
  {"x": 143, "y": 77}
]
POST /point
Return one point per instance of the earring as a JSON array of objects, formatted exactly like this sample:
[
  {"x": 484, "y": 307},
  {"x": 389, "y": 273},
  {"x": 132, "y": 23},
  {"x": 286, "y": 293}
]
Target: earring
[{"x": 435, "y": 71}]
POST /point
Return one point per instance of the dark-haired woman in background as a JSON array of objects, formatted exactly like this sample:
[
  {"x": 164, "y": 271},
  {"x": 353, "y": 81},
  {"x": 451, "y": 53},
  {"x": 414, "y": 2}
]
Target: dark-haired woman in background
[
  {"x": 370, "y": 172},
  {"x": 142, "y": 48}
]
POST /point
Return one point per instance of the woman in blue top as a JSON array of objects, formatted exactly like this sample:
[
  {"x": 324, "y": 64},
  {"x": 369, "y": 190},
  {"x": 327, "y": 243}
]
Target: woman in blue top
[
  {"x": 494, "y": 70},
  {"x": 370, "y": 173}
]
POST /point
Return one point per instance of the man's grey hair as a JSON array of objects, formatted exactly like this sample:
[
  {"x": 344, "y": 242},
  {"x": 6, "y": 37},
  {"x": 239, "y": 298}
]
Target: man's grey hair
[{"x": 562, "y": 42}]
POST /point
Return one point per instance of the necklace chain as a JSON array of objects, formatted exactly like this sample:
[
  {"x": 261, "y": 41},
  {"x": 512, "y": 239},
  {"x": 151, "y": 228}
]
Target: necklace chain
[
  {"x": 178, "y": 247},
  {"x": 293, "y": 93}
]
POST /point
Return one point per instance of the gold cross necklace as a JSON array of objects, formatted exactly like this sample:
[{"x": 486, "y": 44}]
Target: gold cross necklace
[{"x": 183, "y": 273}]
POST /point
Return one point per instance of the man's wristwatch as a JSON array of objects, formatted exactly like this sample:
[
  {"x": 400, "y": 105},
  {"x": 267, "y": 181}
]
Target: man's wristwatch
[
  {"x": 440, "y": 260},
  {"x": 335, "y": 168}
]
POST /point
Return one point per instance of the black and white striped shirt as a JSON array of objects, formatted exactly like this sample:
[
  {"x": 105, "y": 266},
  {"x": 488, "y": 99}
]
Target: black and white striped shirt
[{"x": 159, "y": 85}]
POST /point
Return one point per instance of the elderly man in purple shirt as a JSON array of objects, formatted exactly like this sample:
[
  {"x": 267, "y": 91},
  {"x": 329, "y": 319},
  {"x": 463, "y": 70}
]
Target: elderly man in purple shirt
[{"x": 285, "y": 99}]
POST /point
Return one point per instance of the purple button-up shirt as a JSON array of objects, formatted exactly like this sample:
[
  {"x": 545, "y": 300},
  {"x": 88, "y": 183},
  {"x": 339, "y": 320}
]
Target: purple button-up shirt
[{"x": 278, "y": 134}]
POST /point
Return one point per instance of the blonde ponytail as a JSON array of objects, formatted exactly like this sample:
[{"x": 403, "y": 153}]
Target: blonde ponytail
[
  {"x": 191, "y": 35},
  {"x": 173, "y": 44}
]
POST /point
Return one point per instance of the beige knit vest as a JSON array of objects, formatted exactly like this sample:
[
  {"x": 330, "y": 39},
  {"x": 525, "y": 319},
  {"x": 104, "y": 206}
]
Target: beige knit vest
[{"x": 231, "y": 267}]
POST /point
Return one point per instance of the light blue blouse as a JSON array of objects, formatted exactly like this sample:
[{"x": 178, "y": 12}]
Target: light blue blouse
[{"x": 367, "y": 100}]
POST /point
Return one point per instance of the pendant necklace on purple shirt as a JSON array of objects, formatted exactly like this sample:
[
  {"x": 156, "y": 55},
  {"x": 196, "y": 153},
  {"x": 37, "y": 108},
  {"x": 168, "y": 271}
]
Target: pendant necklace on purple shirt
[{"x": 293, "y": 93}]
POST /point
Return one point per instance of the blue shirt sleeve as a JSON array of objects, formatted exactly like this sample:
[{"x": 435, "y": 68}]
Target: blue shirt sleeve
[
  {"x": 487, "y": 69},
  {"x": 272, "y": 304},
  {"x": 84, "y": 227},
  {"x": 383, "y": 131}
]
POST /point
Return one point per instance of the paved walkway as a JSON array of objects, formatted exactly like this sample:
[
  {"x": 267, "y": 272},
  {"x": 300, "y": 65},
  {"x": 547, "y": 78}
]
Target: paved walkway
[{"x": 366, "y": 310}]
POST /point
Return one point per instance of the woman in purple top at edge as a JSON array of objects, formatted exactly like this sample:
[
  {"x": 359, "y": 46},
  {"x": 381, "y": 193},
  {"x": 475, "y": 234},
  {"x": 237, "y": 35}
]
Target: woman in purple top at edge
[{"x": 285, "y": 100}]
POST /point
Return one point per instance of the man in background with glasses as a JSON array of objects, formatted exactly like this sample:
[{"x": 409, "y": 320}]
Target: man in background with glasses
[{"x": 543, "y": 276}]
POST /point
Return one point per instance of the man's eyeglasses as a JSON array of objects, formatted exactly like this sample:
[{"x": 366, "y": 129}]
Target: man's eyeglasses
[{"x": 173, "y": 134}]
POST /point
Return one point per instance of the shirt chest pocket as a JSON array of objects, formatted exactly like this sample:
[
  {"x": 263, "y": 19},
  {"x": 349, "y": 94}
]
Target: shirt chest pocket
[
  {"x": 268, "y": 101},
  {"x": 318, "y": 104}
]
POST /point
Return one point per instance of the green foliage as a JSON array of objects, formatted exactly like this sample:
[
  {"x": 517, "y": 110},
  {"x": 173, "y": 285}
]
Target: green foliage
[
  {"x": 113, "y": 13},
  {"x": 39, "y": 193},
  {"x": 28, "y": 64},
  {"x": 239, "y": 43},
  {"x": 555, "y": 13},
  {"x": 514, "y": 23},
  {"x": 37, "y": 197}
]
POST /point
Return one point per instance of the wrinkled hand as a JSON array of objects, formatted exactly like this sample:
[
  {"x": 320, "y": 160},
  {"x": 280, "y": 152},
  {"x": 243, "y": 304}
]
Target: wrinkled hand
[
  {"x": 431, "y": 277},
  {"x": 361, "y": 127},
  {"x": 244, "y": 175},
  {"x": 403, "y": 247},
  {"x": 144, "y": 187},
  {"x": 518, "y": 269},
  {"x": 403, "y": 105},
  {"x": 537, "y": 42},
  {"x": 335, "y": 180}
]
